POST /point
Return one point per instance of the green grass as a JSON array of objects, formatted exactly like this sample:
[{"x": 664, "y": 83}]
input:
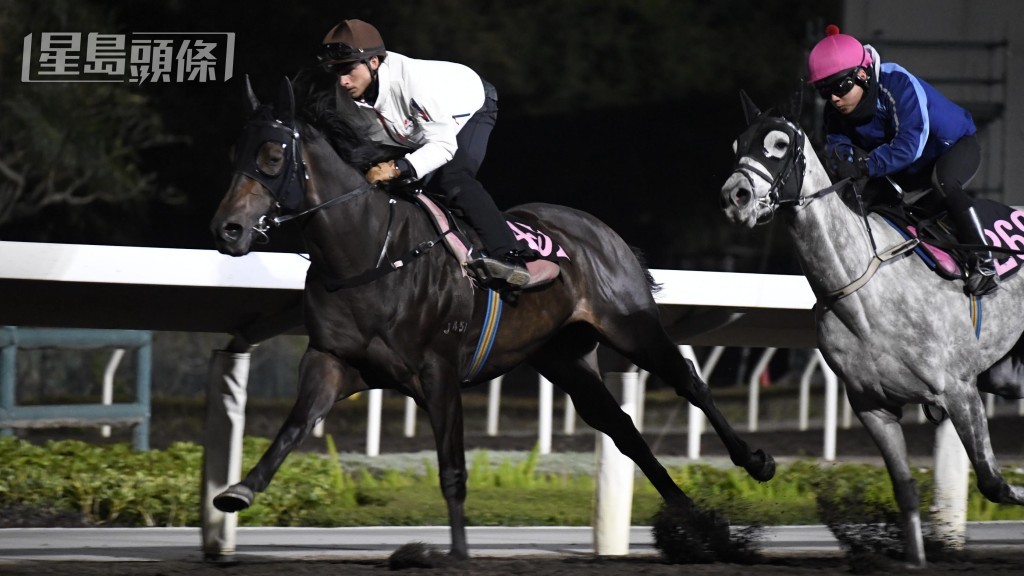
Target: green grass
[{"x": 112, "y": 485}]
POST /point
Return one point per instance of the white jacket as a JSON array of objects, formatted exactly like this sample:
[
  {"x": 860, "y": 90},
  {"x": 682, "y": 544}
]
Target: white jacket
[{"x": 422, "y": 105}]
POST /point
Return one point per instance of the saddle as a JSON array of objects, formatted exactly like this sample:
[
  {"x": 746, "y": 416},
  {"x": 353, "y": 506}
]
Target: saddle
[
  {"x": 542, "y": 258},
  {"x": 940, "y": 249}
]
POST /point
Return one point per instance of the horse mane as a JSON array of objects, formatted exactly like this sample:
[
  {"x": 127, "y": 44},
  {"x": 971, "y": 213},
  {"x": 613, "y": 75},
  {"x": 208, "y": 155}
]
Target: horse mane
[{"x": 316, "y": 95}]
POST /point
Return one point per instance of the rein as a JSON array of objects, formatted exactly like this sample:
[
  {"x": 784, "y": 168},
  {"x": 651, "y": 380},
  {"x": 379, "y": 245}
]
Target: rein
[
  {"x": 385, "y": 264},
  {"x": 278, "y": 220}
]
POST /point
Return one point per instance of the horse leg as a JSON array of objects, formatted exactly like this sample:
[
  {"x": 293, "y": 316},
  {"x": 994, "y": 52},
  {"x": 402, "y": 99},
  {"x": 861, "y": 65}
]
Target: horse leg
[
  {"x": 967, "y": 413},
  {"x": 1005, "y": 378},
  {"x": 883, "y": 424},
  {"x": 659, "y": 356},
  {"x": 322, "y": 381},
  {"x": 444, "y": 408},
  {"x": 599, "y": 409}
]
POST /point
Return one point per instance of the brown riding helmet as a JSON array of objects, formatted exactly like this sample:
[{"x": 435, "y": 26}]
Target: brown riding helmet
[{"x": 351, "y": 41}]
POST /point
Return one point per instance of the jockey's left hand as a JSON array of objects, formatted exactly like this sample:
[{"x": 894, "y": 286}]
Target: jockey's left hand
[
  {"x": 383, "y": 172},
  {"x": 849, "y": 163}
]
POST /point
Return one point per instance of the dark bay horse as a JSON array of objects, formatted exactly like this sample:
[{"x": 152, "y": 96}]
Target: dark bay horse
[
  {"x": 414, "y": 327},
  {"x": 900, "y": 336}
]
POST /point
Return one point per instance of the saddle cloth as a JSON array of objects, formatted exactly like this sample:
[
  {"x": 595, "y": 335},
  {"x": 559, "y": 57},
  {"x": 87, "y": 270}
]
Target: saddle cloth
[
  {"x": 543, "y": 256},
  {"x": 1003, "y": 225}
]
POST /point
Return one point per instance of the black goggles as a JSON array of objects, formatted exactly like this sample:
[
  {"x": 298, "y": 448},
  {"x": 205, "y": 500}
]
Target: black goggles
[
  {"x": 341, "y": 58},
  {"x": 840, "y": 87}
]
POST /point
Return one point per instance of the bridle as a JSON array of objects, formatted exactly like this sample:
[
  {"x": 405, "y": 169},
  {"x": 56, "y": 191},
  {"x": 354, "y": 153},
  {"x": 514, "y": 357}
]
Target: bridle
[
  {"x": 288, "y": 187},
  {"x": 787, "y": 177},
  {"x": 785, "y": 187},
  {"x": 288, "y": 190}
]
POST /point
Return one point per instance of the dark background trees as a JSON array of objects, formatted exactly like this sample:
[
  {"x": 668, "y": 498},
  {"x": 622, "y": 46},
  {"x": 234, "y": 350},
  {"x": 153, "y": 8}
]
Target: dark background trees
[{"x": 624, "y": 109}]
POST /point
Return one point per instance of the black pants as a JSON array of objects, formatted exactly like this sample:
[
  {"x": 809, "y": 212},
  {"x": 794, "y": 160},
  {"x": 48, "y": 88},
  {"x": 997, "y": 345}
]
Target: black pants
[
  {"x": 456, "y": 182},
  {"x": 952, "y": 172}
]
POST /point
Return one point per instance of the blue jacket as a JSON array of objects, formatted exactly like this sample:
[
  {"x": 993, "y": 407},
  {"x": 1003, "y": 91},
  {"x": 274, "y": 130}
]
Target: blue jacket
[{"x": 913, "y": 124}]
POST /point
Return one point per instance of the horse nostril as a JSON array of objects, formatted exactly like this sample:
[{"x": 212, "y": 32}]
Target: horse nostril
[
  {"x": 741, "y": 197},
  {"x": 231, "y": 231}
]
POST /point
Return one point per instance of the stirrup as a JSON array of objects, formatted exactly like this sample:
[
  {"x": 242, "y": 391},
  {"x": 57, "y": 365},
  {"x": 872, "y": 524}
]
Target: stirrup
[
  {"x": 490, "y": 271},
  {"x": 980, "y": 284}
]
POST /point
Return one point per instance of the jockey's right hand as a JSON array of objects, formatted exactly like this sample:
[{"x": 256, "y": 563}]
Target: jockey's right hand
[{"x": 383, "y": 172}]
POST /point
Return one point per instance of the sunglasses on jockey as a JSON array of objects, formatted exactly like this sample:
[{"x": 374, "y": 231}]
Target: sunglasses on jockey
[{"x": 841, "y": 86}]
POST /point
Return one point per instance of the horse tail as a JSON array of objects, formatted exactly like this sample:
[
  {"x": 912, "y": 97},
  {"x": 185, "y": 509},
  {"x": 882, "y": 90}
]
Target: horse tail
[{"x": 641, "y": 258}]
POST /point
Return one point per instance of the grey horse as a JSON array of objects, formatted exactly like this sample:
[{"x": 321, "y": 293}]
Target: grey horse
[{"x": 893, "y": 330}]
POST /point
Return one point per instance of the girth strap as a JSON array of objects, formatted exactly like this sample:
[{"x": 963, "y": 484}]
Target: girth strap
[
  {"x": 492, "y": 320},
  {"x": 876, "y": 262}
]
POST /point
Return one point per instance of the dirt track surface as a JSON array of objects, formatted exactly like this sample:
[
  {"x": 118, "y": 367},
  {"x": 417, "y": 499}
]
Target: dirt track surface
[
  {"x": 853, "y": 444},
  {"x": 978, "y": 563}
]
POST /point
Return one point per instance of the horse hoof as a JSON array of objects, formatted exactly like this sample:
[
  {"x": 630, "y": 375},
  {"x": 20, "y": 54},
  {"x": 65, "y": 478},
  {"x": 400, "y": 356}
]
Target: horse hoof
[
  {"x": 235, "y": 498},
  {"x": 764, "y": 472}
]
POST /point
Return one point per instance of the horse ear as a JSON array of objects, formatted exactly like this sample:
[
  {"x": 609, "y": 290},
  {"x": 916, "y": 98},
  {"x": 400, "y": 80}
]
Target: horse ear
[
  {"x": 250, "y": 96},
  {"x": 796, "y": 106},
  {"x": 750, "y": 110},
  {"x": 285, "y": 106}
]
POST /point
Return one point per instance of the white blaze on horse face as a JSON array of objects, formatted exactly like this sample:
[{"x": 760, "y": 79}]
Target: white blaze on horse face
[{"x": 776, "y": 143}]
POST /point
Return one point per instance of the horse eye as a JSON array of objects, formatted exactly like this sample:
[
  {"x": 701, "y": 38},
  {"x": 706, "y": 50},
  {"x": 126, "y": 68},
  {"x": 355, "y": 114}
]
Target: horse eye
[
  {"x": 775, "y": 144},
  {"x": 270, "y": 158}
]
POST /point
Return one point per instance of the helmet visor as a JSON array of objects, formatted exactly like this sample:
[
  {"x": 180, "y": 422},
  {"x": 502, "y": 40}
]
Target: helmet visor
[{"x": 338, "y": 53}]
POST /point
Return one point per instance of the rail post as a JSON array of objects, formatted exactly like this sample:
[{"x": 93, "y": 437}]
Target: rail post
[{"x": 614, "y": 499}]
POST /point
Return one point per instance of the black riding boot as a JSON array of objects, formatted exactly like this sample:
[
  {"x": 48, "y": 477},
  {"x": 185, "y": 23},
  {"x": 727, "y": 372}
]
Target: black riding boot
[
  {"x": 492, "y": 272},
  {"x": 981, "y": 278}
]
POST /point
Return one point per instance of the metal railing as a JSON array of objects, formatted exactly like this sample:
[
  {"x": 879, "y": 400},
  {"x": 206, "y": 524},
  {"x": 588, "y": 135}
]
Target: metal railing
[{"x": 107, "y": 413}]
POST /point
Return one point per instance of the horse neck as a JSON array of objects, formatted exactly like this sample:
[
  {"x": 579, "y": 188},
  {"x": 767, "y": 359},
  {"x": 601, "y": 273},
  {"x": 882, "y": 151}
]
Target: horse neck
[
  {"x": 344, "y": 239},
  {"x": 831, "y": 239}
]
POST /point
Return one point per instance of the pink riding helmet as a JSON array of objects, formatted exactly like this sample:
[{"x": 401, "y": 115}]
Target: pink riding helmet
[{"x": 835, "y": 53}]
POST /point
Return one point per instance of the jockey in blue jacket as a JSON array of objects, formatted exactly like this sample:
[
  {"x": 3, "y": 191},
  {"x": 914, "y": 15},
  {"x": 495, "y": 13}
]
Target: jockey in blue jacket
[{"x": 912, "y": 135}]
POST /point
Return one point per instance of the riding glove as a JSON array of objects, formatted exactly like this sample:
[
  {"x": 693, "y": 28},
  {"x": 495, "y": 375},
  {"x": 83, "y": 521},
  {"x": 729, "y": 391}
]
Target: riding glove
[{"x": 848, "y": 163}]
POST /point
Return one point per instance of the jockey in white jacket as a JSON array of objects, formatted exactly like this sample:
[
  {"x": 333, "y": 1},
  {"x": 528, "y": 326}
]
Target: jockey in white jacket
[{"x": 443, "y": 113}]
